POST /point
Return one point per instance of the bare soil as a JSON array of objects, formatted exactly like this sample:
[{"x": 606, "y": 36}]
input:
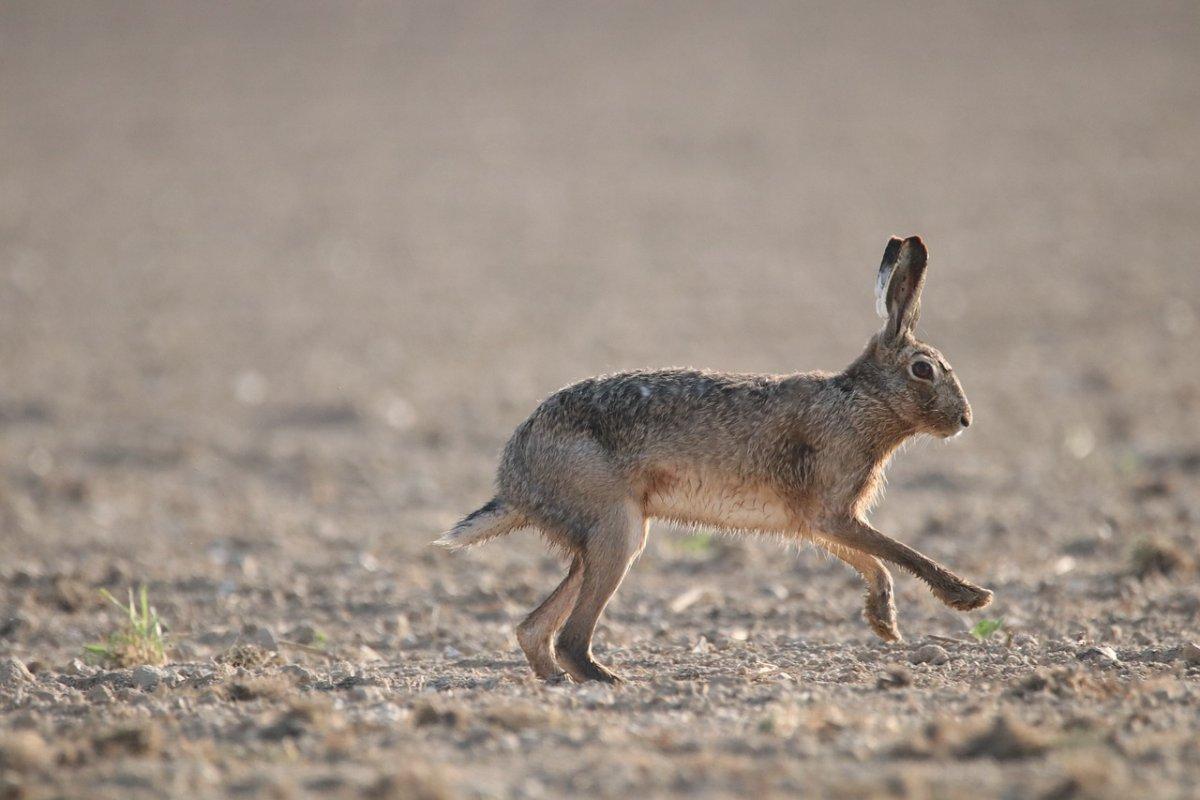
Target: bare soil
[{"x": 277, "y": 280}]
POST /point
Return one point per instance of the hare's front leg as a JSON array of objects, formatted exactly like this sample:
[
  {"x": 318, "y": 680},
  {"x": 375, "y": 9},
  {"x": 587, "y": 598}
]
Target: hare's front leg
[
  {"x": 880, "y": 608},
  {"x": 946, "y": 586}
]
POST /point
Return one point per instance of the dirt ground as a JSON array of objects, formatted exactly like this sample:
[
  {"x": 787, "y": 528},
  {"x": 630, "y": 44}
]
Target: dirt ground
[{"x": 278, "y": 279}]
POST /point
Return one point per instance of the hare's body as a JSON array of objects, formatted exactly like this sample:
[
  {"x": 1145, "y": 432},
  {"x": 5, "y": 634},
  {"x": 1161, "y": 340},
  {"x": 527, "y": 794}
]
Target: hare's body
[
  {"x": 746, "y": 452},
  {"x": 797, "y": 455}
]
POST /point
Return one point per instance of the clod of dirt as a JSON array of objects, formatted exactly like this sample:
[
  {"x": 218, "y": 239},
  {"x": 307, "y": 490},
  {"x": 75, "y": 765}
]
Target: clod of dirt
[
  {"x": 1005, "y": 739},
  {"x": 24, "y": 751},
  {"x": 929, "y": 654},
  {"x": 413, "y": 783},
  {"x": 1159, "y": 556},
  {"x": 303, "y": 634},
  {"x": 247, "y": 656},
  {"x": 1063, "y": 682},
  {"x": 300, "y": 718},
  {"x": 100, "y": 693},
  {"x": 265, "y": 638},
  {"x": 68, "y": 594},
  {"x": 517, "y": 716},
  {"x": 265, "y": 687},
  {"x": 1102, "y": 655},
  {"x": 13, "y": 623},
  {"x": 13, "y": 673},
  {"x": 895, "y": 677},
  {"x": 142, "y": 739},
  {"x": 426, "y": 713},
  {"x": 146, "y": 677}
]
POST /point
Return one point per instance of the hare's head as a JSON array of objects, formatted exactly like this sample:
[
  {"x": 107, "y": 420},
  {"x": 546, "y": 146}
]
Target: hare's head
[{"x": 911, "y": 377}]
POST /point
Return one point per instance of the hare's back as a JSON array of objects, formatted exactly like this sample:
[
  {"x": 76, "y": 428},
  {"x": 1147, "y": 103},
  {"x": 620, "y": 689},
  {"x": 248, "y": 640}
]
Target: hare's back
[{"x": 632, "y": 412}]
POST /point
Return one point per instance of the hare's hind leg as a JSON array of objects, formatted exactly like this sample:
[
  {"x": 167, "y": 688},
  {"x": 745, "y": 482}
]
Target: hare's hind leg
[
  {"x": 536, "y": 633},
  {"x": 880, "y": 608},
  {"x": 610, "y": 547}
]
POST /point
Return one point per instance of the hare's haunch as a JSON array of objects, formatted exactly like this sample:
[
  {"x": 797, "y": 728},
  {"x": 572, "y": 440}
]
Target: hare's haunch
[{"x": 800, "y": 455}]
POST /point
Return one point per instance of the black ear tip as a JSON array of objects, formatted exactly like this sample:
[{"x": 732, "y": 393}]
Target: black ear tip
[
  {"x": 916, "y": 243},
  {"x": 892, "y": 251}
]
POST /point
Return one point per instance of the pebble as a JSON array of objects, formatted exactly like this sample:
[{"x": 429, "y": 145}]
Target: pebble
[
  {"x": 895, "y": 677},
  {"x": 1025, "y": 640},
  {"x": 367, "y": 694},
  {"x": 265, "y": 638},
  {"x": 304, "y": 634},
  {"x": 930, "y": 654},
  {"x": 303, "y": 676},
  {"x": 1190, "y": 653},
  {"x": 146, "y": 677},
  {"x": 1100, "y": 654},
  {"x": 100, "y": 694}
]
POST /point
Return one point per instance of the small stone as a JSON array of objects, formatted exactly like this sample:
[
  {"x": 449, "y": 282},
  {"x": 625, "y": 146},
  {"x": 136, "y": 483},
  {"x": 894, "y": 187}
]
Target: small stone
[
  {"x": 1025, "y": 640},
  {"x": 366, "y": 694},
  {"x": 13, "y": 673},
  {"x": 100, "y": 694},
  {"x": 24, "y": 751},
  {"x": 77, "y": 667},
  {"x": 896, "y": 676},
  {"x": 1099, "y": 654},
  {"x": 265, "y": 638},
  {"x": 933, "y": 654},
  {"x": 146, "y": 677},
  {"x": 1190, "y": 653},
  {"x": 302, "y": 676},
  {"x": 452, "y": 652},
  {"x": 304, "y": 634}
]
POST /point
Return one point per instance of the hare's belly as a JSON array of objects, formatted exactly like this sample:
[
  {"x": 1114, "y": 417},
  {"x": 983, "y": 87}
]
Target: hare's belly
[{"x": 707, "y": 499}]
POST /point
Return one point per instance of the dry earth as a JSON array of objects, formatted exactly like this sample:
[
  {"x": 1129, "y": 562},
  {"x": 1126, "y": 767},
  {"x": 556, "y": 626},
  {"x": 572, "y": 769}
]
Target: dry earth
[{"x": 277, "y": 279}]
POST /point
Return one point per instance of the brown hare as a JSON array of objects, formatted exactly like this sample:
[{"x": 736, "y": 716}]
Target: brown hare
[{"x": 797, "y": 455}]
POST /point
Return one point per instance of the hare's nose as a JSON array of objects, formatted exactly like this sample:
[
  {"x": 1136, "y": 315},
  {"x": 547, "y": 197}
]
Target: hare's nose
[{"x": 965, "y": 419}]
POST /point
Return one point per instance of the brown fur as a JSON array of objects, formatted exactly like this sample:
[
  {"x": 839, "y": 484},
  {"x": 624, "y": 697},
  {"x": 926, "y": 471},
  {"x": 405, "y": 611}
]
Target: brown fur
[{"x": 800, "y": 455}]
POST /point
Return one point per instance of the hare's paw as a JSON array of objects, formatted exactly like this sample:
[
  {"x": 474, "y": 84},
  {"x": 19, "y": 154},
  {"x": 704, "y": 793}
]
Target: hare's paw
[
  {"x": 880, "y": 614},
  {"x": 582, "y": 668},
  {"x": 963, "y": 596}
]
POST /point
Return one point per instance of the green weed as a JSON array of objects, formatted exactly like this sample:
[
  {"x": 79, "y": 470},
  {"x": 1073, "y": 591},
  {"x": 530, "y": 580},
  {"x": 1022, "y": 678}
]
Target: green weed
[
  {"x": 985, "y": 628},
  {"x": 139, "y": 640}
]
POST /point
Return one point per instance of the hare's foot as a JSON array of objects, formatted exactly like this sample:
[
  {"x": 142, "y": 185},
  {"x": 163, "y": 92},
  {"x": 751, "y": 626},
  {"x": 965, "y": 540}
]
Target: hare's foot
[
  {"x": 963, "y": 596},
  {"x": 880, "y": 614},
  {"x": 536, "y": 633},
  {"x": 582, "y": 668},
  {"x": 538, "y": 653}
]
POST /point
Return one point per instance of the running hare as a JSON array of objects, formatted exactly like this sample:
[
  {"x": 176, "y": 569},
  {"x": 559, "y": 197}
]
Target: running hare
[{"x": 799, "y": 455}]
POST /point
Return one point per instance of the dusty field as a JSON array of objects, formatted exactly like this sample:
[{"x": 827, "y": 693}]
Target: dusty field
[{"x": 276, "y": 283}]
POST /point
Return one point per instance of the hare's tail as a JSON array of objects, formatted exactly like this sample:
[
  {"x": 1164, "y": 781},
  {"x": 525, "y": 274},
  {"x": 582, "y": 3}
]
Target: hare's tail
[{"x": 492, "y": 520}]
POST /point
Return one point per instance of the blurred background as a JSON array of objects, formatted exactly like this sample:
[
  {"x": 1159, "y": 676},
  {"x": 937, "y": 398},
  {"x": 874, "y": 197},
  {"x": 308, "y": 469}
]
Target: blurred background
[{"x": 278, "y": 279}]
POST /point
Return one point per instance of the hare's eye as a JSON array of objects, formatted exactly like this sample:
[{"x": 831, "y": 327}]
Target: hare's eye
[{"x": 922, "y": 370}]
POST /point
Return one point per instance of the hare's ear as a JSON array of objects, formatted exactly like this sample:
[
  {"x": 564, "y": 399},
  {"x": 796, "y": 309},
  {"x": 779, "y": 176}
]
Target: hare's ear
[{"x": 898, "y": 287}]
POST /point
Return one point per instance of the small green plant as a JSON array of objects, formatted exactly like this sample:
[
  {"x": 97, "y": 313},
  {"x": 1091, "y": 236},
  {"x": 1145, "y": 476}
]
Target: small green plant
[
  {"x": 139, "y": 640},
  {"x": 984, "y": 629}
]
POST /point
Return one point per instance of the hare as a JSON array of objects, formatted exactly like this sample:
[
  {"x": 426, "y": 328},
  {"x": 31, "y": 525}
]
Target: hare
[{"x": 798, "y": 455}]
